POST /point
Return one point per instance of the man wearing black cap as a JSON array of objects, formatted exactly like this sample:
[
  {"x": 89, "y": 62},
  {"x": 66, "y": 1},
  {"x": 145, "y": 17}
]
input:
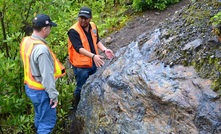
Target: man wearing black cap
[
  {"x": 41, "y": 68},
  {"x": 83, "y": 44}
]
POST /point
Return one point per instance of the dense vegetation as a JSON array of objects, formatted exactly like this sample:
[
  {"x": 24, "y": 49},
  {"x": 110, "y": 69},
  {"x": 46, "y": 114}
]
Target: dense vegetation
[{"x": 16, "y": 111}]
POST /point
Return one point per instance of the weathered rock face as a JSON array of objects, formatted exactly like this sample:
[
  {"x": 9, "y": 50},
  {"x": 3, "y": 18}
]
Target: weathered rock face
[
  {"x": 132, "y": 96},
  {"x": 187, "y": 39}
]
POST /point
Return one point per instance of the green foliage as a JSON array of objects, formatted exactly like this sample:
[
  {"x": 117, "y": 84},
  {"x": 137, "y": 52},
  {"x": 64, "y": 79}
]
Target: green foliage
[
  {"x": 13, "y": 102},
  {"x": 19, "y": 124},
  {"x": 142, "y": 5},
  {"x": 216, "y": 24},
  {"x": 65, "y": 102},
  {"x": 112, "y": 22}
]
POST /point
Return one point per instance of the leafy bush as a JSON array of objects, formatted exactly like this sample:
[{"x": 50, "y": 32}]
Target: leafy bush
[
  {"x": 14, "y": 106},
  {"x": 143, "y": 5}
]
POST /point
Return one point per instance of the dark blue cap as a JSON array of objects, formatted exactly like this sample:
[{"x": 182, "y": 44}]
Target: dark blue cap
[
  {"x": 42, "y": 20},
  {"x": 85, "y": 12}
]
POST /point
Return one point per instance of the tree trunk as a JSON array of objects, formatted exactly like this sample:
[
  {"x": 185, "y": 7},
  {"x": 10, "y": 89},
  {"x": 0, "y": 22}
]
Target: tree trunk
[{"x": 4, "y": 33}]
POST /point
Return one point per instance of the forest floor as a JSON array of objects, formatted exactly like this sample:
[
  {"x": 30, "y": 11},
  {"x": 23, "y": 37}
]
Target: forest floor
[{"x": 142, "y": 23}]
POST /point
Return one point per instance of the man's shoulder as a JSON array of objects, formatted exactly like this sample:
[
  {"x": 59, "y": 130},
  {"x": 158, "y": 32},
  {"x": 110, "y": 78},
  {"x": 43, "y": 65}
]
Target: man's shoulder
[
  {"x": 72, "y": 32},
  {"x": 40, "y": 48},
  {"x": 92, "y": 23}
]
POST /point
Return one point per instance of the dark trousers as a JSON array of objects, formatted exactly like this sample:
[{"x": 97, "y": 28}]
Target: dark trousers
[{"x": 81, "y": 76}]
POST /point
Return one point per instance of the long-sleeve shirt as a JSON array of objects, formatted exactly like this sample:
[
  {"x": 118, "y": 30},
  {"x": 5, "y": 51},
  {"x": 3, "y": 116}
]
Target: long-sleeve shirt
[
  {"x": 42, "y": 68},
  {"x": 76, "y": 40}
]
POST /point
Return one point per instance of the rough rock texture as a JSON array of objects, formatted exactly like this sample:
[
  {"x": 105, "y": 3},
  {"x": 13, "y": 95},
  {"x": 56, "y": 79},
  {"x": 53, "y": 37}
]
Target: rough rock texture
[
  {"x": 187, "y": 39},
  {"x": 131, "y": 95}
]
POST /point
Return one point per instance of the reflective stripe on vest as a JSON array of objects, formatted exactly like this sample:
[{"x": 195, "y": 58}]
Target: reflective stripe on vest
[
  {"x": 77, "y": 59},
  {"x": 26, "y": 47}
]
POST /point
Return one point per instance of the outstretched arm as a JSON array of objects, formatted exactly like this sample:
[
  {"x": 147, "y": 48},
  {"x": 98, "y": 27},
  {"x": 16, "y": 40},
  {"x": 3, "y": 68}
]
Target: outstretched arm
[{"x": 107, "y": 51}]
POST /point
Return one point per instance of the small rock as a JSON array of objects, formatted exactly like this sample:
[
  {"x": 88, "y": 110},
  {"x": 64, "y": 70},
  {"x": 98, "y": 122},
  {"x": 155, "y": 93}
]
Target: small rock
[{"x": 108, "y": 40}]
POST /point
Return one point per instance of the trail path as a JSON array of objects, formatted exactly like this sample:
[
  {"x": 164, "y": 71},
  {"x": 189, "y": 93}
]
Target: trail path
[{"x": 140, "y": 24}]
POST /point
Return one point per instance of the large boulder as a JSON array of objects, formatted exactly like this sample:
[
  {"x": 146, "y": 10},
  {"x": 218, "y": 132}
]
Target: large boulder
[{"x": 133, "y": 94}]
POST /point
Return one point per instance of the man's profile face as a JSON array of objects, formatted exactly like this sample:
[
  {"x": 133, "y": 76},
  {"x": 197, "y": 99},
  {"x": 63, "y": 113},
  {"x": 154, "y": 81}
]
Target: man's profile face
[{"x": 46, "y": 31}]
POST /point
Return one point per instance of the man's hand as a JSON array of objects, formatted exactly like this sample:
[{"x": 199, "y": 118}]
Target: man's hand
[
  {"x": 98, "y": 60},
  {"x": 109, "y": 53},
  {"x": 54, "y": 103}
]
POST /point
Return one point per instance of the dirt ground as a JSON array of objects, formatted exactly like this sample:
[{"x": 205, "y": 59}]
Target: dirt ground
[{"x": 140, "y": 24}]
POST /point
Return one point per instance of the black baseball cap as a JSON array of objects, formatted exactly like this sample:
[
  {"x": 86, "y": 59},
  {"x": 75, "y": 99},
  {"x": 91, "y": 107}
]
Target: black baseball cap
[
  {"x": 42, "y": 20},
  {"x": 85, "y": 12}
]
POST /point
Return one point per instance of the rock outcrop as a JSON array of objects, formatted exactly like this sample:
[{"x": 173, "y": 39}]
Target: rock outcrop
[{"x": 131, "y": 95}]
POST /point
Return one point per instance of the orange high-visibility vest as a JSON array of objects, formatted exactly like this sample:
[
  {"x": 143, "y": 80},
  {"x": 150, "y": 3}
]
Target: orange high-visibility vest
[
  {"x": 26, "y": 47},
  {"x": 77, "y": 59}
]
